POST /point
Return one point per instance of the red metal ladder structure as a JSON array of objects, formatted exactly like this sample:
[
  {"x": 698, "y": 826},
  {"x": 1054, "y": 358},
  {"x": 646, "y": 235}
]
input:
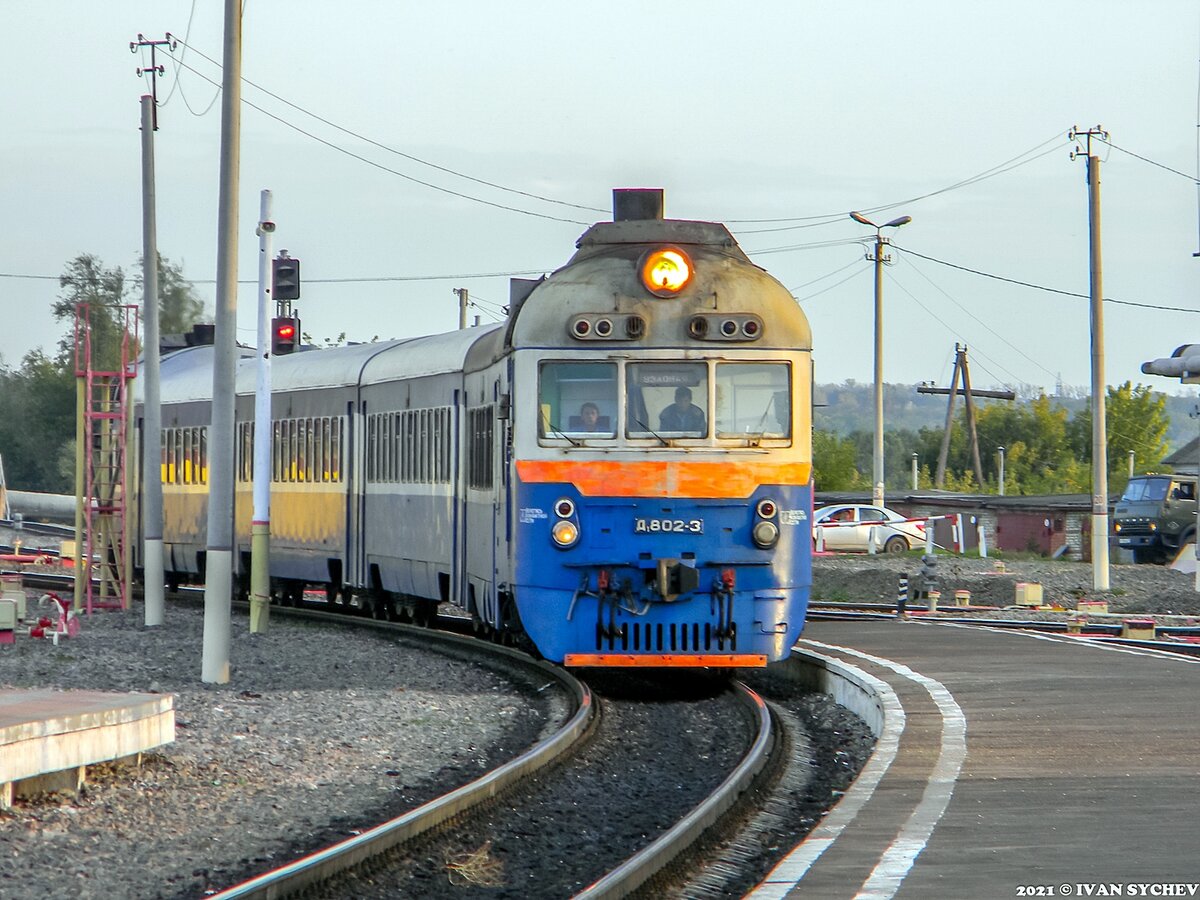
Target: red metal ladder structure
[{"x": 103, "y": 375}]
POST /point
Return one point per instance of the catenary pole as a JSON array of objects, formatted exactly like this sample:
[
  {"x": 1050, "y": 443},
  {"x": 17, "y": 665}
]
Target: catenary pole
[
  {"x": 218, "y": 581},
  {"x": 260, "y": 525},
  {"x": 1099, "y": 441},
  {"x": 152, "y": 497}
]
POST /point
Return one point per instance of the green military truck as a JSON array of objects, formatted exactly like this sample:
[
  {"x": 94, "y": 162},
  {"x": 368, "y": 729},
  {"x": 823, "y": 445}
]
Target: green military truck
[{"x": 1155, "y": 516}]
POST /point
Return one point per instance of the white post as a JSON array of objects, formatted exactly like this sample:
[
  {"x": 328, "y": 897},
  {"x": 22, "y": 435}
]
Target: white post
[
  {"x": 929, "y": 537},
  {"x": 152, "y": 496},
  {"x": 872, "y": 538},
  {"x": 820, "y": 547},
  {"x": 260, "y": 521},
  {"x": 960, "y": 536},
  {"x": 982, "y": 539}
]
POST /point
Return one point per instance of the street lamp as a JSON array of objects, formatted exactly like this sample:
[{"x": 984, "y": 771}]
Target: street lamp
[
  {"x": 1001, "y": 478},
  {"x": 879, "y": 259}
]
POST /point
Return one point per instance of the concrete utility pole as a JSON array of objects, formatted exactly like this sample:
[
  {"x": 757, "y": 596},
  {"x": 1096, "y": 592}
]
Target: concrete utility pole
[
  {"x": 1099, "y": 440},
  {"x": 1000, "y": 450},
  {"x": 218, "y": 580},
  {"x": 152, "y": 497},
  {"x": 462, "y": 307},
  {"x": 879, "y": 259},
  {"x": 260, "y": 524}
]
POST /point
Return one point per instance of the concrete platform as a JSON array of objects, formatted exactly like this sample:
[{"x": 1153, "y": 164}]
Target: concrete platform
[
  {"x": 1010, "y": 764},
  {"x": 48, "y": 738}
]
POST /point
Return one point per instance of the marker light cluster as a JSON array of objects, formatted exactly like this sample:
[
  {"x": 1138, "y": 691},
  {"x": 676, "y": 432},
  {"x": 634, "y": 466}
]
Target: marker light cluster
[
  {"x": 565, "y": 532},
  {"x": 666, "y": 271},
  {"x": 765, "y": 532},
  {"x": 718, "y": 327},
  {"x": 606, "y": 327}
]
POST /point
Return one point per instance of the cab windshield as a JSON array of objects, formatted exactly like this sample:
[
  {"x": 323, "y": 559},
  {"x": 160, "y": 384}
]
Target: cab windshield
[
  {"x": 692, "y": 402},
  {"x": 1140, "y": 490}
]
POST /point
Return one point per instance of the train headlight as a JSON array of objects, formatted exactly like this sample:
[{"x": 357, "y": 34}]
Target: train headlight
[
  {"x": 565, "y": 533},
  {"x": 767, "y": 508},
  {"x": 765, "y": 534},
  {"x": 666, "y": 271},
  {"x": 564, "y": 508}
]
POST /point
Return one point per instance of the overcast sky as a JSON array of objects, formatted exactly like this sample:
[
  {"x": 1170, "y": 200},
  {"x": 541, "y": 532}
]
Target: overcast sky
[{"x": 799, "y": 111}]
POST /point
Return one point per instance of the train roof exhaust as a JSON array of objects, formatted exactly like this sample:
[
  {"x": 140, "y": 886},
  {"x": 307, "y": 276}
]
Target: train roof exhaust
[{"x": 637, "y": 204}]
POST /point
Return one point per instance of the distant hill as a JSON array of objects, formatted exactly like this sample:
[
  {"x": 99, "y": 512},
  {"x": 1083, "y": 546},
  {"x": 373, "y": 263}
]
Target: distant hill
[{"x": 849, "y": 407}]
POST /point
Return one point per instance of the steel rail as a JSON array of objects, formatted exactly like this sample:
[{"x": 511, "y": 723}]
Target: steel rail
[
  {"x": 316, "y": 867},
  {"x": 656, "y": 856}
]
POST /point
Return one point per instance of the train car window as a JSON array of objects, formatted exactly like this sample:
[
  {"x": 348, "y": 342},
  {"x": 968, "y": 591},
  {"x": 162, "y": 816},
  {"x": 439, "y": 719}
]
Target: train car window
[
  {"x": 293, "y": 450},
  {"x": 479, "y": 471},
  {"x": 335, "y": 458},
  {"x": 666, "y": 399},
  {"x": 202, "y": 441},
  {"x": 754, "y": 400},
  {"x": 397, "y": 420},
  {"x": 318, "y": 454},
  {"x": 276, "y": 456},
  {"x": 577, "y": 400},
  {"x": 187, "y": 456},
  {"x": 446, "y": 439},
  {"x": 165, "y": 462}
]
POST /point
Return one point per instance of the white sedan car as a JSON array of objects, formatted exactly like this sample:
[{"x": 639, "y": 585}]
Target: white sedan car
[{"x": 848, "y": 526}]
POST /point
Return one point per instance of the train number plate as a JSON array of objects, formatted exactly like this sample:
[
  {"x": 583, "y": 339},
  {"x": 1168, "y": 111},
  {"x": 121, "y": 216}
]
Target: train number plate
[{"x": 668, "y": 526}]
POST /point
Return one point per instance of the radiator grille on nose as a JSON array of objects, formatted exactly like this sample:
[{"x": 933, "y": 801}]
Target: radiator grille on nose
[{"x": 646, "y": 637}]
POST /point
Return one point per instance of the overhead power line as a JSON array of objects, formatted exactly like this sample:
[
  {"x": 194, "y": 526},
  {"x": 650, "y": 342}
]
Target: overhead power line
[
  {"x": 1042, "y": 287},
  {"x": 1192, "y": 178},
  {"x": 385, "y": 147}
]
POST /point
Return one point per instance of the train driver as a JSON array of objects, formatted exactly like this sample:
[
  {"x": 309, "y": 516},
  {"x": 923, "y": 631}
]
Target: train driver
[
  {"x": 589, "y": 413},
  {"x": 683, "y": 414}
]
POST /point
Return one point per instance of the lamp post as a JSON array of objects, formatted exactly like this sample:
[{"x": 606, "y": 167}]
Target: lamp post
[
  {"x": 879, "y": 259},
  {"x": 1001, "y": 451}
]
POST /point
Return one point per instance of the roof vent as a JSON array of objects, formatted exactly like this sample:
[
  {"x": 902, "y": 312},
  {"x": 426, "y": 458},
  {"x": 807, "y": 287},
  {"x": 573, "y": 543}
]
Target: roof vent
[{"x": 637, "y": 204}]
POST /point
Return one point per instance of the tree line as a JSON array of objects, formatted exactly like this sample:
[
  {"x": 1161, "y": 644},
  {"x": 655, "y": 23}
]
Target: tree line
[
  {"x": 1047, "y": 449},
  {"x": 37, "y": 397}
]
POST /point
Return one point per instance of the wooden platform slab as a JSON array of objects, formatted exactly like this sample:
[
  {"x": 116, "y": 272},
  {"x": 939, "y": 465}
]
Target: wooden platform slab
[{"x": 47, "y": 737}]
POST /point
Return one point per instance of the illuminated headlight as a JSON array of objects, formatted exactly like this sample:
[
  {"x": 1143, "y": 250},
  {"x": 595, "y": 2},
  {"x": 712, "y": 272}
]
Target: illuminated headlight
[
  {"x": 1154, "y": 526},
  {"x": 765, "y": 534},
  {"x": 564, "y": 533},
  {"x": 1116, "y": 526},
  {"x": 666, "y": 271}
]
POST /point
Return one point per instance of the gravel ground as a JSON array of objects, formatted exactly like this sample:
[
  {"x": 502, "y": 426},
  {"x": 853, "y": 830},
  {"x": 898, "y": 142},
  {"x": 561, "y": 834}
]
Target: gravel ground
[
  {"x": 1166, "y": 594},
  {"x": 310, "y": 732},
  {"x": 318, "y": 730}
]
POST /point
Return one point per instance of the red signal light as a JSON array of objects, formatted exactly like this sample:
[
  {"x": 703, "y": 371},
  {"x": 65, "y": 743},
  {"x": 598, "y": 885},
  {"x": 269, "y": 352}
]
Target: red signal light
[{"x": 285, "y": 334}]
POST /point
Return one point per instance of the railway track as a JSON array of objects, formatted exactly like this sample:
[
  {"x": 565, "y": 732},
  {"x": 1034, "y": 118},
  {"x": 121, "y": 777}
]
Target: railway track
[{"x": 596, "y": 767}]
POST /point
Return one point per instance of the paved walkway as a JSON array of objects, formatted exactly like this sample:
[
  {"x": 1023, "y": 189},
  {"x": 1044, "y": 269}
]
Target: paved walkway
[{"x": 1024, "y": 765}]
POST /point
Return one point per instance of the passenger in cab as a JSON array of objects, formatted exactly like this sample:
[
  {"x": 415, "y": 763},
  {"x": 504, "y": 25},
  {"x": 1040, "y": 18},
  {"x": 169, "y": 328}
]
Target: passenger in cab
[
  {"x": 589, "y": 415},
  {"x": 683, "y": 414}
]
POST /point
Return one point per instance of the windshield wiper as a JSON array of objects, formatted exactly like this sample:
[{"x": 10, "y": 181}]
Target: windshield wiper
[
  {"x": 549, "y": 427},
  {"x": 662, "y": 440},
  {"x": 754, "y": 438}
]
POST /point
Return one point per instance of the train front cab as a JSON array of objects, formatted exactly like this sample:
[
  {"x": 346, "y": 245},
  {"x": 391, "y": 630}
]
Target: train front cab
[{"x": 639, "y": 544}]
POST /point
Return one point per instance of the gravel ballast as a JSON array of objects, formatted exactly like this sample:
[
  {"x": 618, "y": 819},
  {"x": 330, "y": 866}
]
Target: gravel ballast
[
  {"x": 321, "y": 729},
  {"x": 318, "y": 729}
]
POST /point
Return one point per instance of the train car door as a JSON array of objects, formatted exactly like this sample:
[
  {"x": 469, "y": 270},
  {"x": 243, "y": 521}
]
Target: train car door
[{"x": 356, "y": 502}]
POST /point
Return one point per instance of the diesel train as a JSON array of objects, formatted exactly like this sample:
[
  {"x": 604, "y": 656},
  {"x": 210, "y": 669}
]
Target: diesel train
[{"x": 619, "y": 474}]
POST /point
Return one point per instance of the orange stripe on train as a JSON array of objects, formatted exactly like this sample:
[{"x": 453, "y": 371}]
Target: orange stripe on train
[{"x": 663, "y": 478}]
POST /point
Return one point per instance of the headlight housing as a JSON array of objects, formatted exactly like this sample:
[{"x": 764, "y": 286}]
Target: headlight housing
[{"x": 565, "y": 533}]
